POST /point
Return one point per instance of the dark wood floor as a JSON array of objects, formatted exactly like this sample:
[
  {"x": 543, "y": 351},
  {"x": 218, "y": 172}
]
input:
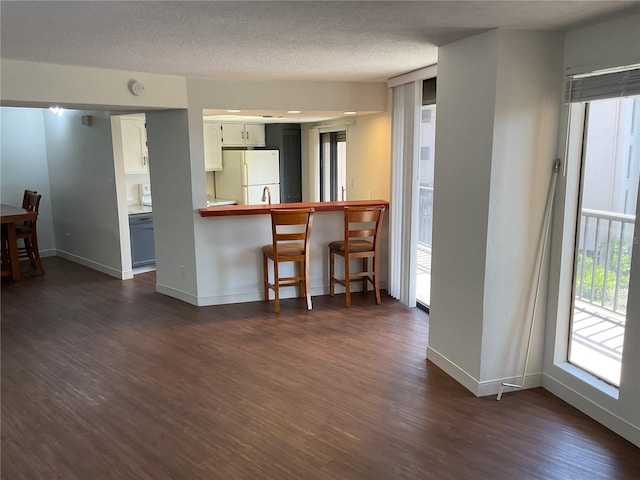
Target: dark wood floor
[{"x": 104, "y": 379}]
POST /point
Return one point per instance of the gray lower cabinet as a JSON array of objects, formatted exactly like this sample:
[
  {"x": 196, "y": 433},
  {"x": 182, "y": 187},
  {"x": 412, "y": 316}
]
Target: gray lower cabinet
[{"x": 142, "y": 244}]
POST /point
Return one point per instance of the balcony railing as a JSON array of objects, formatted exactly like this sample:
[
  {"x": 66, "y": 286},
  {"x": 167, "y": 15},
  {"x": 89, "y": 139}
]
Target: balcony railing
[
  {"x": 604, "y": 259},
  {"x": 425, "y": 212}
]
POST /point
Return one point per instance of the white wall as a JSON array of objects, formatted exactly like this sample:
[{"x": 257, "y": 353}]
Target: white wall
[
  {"x": 23, "y": 165},
  {"x": 173, "y": 213},
  {"x": 617, "y": 44},
  {"x": 498, "y": 98},
  {"x": 528, "y": 95},
  {"x": 368, "y": 157},
  {"x": 286, "y": 95},
  {"x": 83, "y": 189},
  {"x": 464, "y": 136},
  {"x": 41, "y": 84}
]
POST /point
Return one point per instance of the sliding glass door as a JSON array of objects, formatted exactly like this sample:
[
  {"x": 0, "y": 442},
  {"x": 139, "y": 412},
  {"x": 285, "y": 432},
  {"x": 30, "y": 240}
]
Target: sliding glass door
[
  {"x": 425, "y": 203},
  {"x": 608, "y": 198},
  {"x": 426, "y": 158},
  {"x": 333, "y": 166}
]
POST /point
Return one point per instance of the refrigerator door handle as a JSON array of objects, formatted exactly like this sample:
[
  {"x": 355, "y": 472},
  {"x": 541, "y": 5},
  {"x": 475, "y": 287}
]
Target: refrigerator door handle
[{"x": 246, "y": 173}]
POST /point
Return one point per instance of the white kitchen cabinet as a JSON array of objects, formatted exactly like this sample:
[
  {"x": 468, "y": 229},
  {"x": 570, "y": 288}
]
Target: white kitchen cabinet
[
  {"x": 243, "y": 135},
  {"x": 134, "y": 145},
  {"x": 212, "y": 146}
]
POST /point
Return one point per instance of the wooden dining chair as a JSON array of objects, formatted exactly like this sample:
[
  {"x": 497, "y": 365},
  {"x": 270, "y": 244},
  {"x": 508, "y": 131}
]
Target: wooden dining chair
[
  {"x": 5, "y": 269},
  {"x": 290, "y": 232},
  {"x": 28, "y": 232},
  {"x": 362, "y": 227}
]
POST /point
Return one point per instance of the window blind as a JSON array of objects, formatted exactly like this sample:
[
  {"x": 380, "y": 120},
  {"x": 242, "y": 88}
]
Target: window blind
[{"x": 607, "y": 85}]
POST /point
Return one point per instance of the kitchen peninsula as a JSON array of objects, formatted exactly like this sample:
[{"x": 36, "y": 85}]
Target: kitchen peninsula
[
  {"x": 230, "y": 210},
  {"x": 238, "y": 233}
]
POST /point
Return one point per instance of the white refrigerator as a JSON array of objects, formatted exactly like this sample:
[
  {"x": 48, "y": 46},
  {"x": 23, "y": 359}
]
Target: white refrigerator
[{"x": 248, "y": 176}]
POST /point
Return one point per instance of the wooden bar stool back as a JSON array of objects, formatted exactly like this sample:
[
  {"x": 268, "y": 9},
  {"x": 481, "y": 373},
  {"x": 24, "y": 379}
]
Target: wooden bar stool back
[
  {"x": 362, "y": 227},
  {"x": 28, "y": 233},
  {"x": 291, "y": 232}
]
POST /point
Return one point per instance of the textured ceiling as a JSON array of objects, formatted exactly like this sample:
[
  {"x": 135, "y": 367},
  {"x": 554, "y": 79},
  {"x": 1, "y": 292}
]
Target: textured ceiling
[{"x": 270, "y": 40}]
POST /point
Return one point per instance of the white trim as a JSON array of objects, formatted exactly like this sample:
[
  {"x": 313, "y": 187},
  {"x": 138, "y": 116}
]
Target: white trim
[
  {"x": 178, "y": 294},
  {"x": 254, "y": 296},
  {"x": 587, "y": 406},
  {"x": 421, "y": 74},
  {"x": 484, "y": 388},
  {"x": 113, "y": 272},
  {"x": 453, "y": 370}
]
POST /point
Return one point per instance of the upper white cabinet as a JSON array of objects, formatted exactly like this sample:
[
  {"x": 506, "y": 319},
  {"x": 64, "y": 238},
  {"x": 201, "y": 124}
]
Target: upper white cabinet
[
  {"x": 242, "y": 135},
  {"x": 212, "y": 146},
  {"x": 134, "y": 144}
]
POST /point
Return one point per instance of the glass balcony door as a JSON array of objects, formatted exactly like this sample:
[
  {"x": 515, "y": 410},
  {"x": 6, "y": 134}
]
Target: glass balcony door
[
  {"x": 425, "y": 205},
  {"x": 605, "y": 235}
]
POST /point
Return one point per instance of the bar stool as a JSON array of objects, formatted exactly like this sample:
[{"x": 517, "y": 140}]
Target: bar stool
[
  {"x": 361, "y": 239},
  {"x": 28, "y": 233},
  {"x": 291, "y": 232}
]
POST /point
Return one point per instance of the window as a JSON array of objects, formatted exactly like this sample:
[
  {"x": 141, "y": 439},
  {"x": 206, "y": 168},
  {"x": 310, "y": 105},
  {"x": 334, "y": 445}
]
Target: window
[
  {"x": 333, "y": 166},
  {"x": 604, "y": 234}
]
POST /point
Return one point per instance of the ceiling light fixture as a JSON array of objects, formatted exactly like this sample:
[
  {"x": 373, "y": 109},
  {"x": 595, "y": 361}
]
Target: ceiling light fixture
[
  {"x": 234, "y": 111},
  {"x": 293, "y": 111},
  {"x": 56, "y": 110},
  {"x": 349, "y": 113}
]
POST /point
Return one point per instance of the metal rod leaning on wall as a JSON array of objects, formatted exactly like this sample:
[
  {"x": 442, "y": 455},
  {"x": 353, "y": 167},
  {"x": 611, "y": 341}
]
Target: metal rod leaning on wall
[{"x": 544, "y": 234}]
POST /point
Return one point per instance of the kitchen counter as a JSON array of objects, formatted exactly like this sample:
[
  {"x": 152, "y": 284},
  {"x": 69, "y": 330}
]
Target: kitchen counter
[
  {"x": 230, "y": 240},
  {"x": 216, "y": 202},
  {"x": 262, "y": 209},
  {"x": 138, "y": 209}
]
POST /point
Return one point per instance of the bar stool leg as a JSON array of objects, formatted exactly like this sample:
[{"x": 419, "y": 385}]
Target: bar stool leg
[
  {"x": 365, "y": 279},
  {"x": 332, "y": 280},
  {"x": 376, "y": 287},
  {"x": 276, "y": 286},
  {"x": 347, "y": 281},
  {"x": 307, "y": 289},
  {"x": 265, "y": 274}
]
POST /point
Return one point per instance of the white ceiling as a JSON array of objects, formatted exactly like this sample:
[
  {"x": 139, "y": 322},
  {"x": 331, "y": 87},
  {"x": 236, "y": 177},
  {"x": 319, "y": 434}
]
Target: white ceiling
[{"x": 270, "y": 40}]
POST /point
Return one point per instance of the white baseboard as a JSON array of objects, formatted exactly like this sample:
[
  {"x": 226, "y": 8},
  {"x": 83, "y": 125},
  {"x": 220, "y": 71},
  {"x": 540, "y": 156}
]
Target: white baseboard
[
  {"x": 454, "y": 371},
  {"x": 114, "y": 272},
  {"x": 257, "y": 296},
  {"x": 179, "y": 294},
  {"x": 589, "y": 407},
  {"x": 486, "y": 387}
]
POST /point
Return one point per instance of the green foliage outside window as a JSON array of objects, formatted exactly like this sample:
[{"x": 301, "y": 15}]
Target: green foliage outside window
[{"x": 588, "y": 278}]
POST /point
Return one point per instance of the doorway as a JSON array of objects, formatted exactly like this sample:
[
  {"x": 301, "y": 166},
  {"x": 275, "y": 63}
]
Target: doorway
[
  {"x": 425, "y": 192},
  {"x": 333, "y": 166}
]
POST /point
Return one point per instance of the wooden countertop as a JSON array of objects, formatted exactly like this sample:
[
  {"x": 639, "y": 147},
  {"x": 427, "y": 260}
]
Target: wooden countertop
[{"x": 231, "y": 210}]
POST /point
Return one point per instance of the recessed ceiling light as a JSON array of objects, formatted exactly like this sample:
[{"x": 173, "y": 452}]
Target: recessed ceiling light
[
  {"x": 234, "y": 111},
  {"x": 293, "y": 111},
  {"x": 349, "y": 113}
]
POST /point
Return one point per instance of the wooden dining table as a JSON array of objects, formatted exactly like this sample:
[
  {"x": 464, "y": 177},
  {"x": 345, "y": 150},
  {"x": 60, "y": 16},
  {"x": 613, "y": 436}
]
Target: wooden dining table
[{"x": 12, "y": 215}]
